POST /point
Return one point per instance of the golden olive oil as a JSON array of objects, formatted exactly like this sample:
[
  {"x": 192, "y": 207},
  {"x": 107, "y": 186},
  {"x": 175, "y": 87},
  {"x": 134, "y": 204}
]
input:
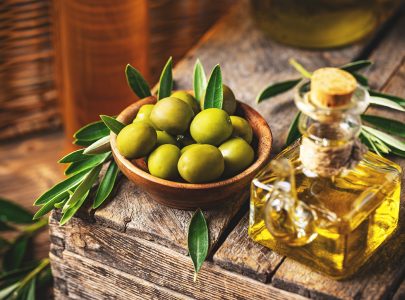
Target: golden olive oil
[
  {"x": 355, "y": 212},
  {"x": 321, "y": 23}
]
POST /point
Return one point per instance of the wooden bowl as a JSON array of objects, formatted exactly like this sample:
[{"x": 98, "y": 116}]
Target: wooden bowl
[{"x": 183, "y": 195}]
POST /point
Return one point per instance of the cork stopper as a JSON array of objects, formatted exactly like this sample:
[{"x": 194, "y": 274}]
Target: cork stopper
[{"x": 332, "y": 87}]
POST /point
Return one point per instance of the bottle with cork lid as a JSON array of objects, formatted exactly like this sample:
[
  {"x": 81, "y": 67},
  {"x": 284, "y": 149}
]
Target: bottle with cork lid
[{"x": 326, "y": 200}]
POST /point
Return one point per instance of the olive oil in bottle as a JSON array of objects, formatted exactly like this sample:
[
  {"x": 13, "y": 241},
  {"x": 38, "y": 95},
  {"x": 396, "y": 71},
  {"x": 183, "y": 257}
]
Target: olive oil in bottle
[{"x": 326, "y": 201}]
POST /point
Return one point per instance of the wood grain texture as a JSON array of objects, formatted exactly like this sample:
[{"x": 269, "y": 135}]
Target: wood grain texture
[
  {"x": 400, "y": 293},
  {"x": 88, "y": 251},
  {"x": 385, "y": 270},
  {"x": 242, "y": 255}
]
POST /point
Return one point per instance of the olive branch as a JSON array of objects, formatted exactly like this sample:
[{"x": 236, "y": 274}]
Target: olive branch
[{"x": 381, "y": 138}]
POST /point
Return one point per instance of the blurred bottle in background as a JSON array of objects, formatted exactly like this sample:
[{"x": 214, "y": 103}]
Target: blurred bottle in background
[
  {"x": 321, "y": 23},
  {"x": 95, "y": 39}
]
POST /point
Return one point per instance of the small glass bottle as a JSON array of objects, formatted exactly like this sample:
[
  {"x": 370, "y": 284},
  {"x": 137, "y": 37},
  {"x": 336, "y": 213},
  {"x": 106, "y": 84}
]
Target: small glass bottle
[{"x": 324, "y": 201}]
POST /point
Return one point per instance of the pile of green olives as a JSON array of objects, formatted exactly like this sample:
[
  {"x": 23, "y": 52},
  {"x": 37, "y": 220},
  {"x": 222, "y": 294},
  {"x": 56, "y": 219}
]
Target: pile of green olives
[{"x": 181, "y": 140}]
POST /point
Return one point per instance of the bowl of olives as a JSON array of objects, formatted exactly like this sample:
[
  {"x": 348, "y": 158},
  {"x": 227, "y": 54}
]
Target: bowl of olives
[{"x": 189, "y": 158}]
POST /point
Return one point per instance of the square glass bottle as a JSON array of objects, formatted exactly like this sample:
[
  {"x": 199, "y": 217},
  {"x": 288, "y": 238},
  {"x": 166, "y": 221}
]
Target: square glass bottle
[{"x": 324, "y": 201}]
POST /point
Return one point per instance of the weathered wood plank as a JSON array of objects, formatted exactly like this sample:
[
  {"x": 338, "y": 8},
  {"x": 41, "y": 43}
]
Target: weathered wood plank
[
  {"x": 400, "y": 293},
  {"x": 148, "y": 261},
  {"x": 94, "y": 280},
  {"x": 384, "y": 270}
]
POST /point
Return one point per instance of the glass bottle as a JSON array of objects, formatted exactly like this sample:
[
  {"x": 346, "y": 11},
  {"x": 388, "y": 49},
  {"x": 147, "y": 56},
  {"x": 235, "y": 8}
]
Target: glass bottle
[
  {"x": 330, "y": 221},
  {"x": 320, "y": 23}
]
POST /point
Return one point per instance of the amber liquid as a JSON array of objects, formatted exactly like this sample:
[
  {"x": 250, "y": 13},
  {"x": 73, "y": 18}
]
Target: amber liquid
[
  {"x": 94, "y": 40},
  {"x": 356, "y": 212},
  {"x": 320, "y": 23}
]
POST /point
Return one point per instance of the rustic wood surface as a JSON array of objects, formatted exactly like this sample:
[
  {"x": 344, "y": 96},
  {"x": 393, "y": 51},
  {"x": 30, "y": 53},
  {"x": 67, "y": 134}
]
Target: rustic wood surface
[{"x": 133, "y": 217}]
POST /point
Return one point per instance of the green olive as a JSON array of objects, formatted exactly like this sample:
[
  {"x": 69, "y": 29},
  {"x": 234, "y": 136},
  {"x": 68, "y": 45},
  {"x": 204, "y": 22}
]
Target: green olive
[
  {"x": 189, "y": 99},
  {"x": 211, "y": 126},
  {"x": 184, "y": 149},
  {"x": 201, "y": 163},
  {"x": 238, "y": 155},
  {"x": 162, "y": 162},
  {"x": 164, "y": 138},
  {"x": 144, "y": 114},
  {"x": 229, "y": 100},
  {"x": 136, "y": 140},
  {"x": 172, "y": 115},
  {"x": 241, "y": 128}
]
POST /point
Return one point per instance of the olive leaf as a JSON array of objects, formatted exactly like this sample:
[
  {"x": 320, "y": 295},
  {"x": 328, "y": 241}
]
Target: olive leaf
[
  {"x": 136, "y": 82},
  {"x": 199, "y": 80},
  {"x": 10, "y": 212},
  {"x": 92, "y": 131},
  {"x": 356, "y": 65},
  {"x": 386, "y": 138},
  {"x": 48, "y": 206},
  {"x": 166, "y": 81},
  {"x": 214, "y": 94},
  {"x": 398, "y": 152},
  {"x": 399, "y": 100},
  {"x": 385, "y": 102},
  {"x": 293, "y": 131},
  {"x": 30, "y": 295},
  {"x": 113, "y": 124},
  {"x": 6, "y": 292},
  {"x": 92, "y": 161},
  {"x": 360, "y": 78},
  {"x": 72, "y": 209},
  {"x": 276, "y": 89},
  {"x": 60, "y": 188},
  {"x": 83, "y": 143},
  {"x": 300, "y": 68},
  {"x": 198, "y": 240},
  {"x": 82, "y": 189},
  {"x": 388, "y": 125},
  {"x": 73, "y": 157},
  {"x": 106, "y": 185},
  {"x": 15, "y": 253},
  {"x": 98, "y": 147}
]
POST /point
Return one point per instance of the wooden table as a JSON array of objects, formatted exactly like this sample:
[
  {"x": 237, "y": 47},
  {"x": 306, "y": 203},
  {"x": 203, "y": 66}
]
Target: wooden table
[{"x": 133, "y": 248}]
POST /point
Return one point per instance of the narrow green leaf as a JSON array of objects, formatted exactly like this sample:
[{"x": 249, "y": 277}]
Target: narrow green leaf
[
  {"x": 136, "y": 82},
  {"x": 385, "y": 102},
  {"x": 6, "y": 292},
  {"x": 106, "y": 185},
  {"x": 199, "y": 80},
  {"x": 71, "y": 211},
  {"x": 31, "y": 290},
  {"x": 166, "y": 81},
  {"x": 198, "y": 240},
  {"x": 92, "y": 131},
  {"x": 98, "y": 147},
  {"x": 356, "y": 65},
  {"x": 92, "y": 161},
  {"x": 391, "y": 126},
  {"x": 386, "y": 138},
  {"x": 276, "y": 89},
  {"x": 300, "y": 68},
  {"x": 398, "y": 152},
  {"x": 83, "y": 188},
  {"x": 48, "y": 206},
  {"x": 11, "y": 212},
  {"x": 60, "y": 188},
  {"x": 16, "y": 273},
  {"x": 113, "y": 124},
  {"x": 73, "y": 157},
  {"x": 360, "y": 78},
  {"x": 15, "y": 254},
  {"x": 293, "y": 131},
  {"x": 214, "y": 94},
  {"x": 399, "y": 100}
]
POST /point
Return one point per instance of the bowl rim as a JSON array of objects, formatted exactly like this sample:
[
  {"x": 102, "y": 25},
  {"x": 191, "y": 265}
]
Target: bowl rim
[{"x": 261, "y": 160}]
